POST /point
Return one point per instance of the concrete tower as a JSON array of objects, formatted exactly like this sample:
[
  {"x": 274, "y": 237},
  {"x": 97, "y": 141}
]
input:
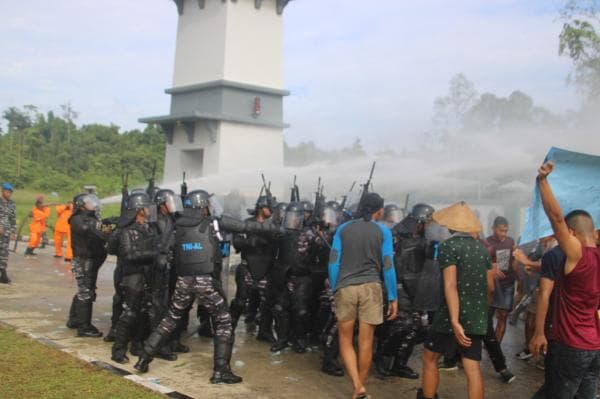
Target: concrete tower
[{"x": 227, "y": 95}]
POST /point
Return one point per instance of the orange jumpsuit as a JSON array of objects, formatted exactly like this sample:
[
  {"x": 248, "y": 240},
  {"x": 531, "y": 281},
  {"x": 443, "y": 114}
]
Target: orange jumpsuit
[
  {"x": 37, "y": 226},
  {"x": 62, "y": 229}
]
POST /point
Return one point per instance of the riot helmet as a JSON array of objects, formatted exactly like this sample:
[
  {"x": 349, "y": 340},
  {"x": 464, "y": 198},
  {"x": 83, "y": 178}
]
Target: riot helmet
[
  {"x": 308, "y": 209},
  {"x": 307, "y": 206},
  {"x": 263, "y": 202},
  {"x": 88, "y": 202},
  {"x": 169, "y": 199},
  {"x": 337, "y": 208},
  {"x": 294, "y": 216},
  {"x": 138, "y": 201},
  {"x": 200, "y": 199},
  {"x": 334, "y": 205},
  {"x": 152, "y": 191},
  {"x": 422, "y": 212},
  {"x": 392, "y": 215},
  {"x": 279, "y": 212},
  {"x": 329, "y": 217},
  {"x": 197, "y": 199}
]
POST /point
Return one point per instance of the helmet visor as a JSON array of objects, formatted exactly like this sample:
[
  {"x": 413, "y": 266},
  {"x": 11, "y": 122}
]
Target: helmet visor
[
  {"x": 173, "y": 203},
  {"x": 91, "y": 203},
  {"x": 329, "y": 217},
  {"x": 293, "y": 220},
  {"x": 393, "y": 217}
]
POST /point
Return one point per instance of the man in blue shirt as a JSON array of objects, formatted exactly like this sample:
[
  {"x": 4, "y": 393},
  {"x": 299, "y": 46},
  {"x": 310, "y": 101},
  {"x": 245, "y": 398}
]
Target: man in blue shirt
[{"x": 362, "y": 257}]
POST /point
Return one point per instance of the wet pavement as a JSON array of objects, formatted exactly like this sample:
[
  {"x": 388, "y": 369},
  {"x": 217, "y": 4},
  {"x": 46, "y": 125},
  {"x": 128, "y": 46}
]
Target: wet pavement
[{"x": 38, "y": 302}]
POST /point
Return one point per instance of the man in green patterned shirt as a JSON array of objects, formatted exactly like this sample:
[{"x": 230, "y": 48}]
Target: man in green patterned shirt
[{"x": 461, "y": 323}]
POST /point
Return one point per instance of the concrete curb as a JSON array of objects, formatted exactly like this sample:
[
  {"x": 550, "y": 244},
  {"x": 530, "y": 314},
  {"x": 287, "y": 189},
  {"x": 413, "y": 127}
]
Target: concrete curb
[{"x": 148, "y": 383}]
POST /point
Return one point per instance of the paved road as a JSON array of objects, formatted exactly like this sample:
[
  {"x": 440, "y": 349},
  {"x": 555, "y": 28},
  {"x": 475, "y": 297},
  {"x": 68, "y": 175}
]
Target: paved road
[{"x": 38, "y": 301}]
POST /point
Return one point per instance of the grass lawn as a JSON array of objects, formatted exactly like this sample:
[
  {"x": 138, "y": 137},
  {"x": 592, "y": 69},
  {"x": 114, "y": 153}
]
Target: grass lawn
[{"x": 29, "y": 369}]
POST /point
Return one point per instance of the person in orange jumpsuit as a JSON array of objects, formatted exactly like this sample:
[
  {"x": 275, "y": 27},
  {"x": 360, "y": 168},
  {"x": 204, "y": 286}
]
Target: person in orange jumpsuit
[
  {"x": 39, "y": 215},
  {"x": 62, "y": 230}
]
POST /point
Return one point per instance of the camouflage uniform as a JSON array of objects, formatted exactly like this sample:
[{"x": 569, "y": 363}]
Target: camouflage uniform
[
  {"x": 208, "y": 291},
  {"x": 8, "y": 226}
]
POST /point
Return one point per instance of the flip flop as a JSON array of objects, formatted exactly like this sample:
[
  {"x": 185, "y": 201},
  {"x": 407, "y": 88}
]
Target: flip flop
[{"x": 363, "y": 395}]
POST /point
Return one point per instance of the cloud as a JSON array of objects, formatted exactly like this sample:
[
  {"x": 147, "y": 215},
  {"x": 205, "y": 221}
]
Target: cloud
[{"x": 356, "y": 68}]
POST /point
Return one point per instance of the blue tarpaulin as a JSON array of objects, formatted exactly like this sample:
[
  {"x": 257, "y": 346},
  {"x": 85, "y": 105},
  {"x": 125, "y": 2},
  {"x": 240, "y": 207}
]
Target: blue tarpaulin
[{"x": 575, "y": 182}]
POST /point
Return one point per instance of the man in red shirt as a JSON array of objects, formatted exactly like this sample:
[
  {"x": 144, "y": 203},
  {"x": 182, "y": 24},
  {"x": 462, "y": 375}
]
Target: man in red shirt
[
  {"x": 575, "y": 344},
  {"x": 501, "y": 247}
]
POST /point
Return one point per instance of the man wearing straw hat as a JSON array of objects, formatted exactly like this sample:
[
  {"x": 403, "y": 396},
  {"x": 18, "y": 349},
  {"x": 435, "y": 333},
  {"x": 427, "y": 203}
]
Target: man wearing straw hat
[{"x": 461, "y": 323}]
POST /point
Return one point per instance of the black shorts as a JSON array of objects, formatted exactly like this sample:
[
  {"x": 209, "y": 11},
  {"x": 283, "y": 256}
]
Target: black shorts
[{"x": 447, "y": 345}]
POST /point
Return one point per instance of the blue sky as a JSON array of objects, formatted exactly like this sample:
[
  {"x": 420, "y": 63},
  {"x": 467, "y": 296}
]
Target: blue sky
[{"x": 356, "y": 68}]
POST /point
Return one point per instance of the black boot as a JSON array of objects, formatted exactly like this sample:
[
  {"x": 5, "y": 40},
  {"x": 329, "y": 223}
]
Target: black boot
[
  {"x": 265, "y": 329},
  {"x": 300, "y": 345},
  {"x": 178, "y": 347},
  {"x": 117, "y": 310},
  {"x": 151, "y": 346},
  {"x": 143, "y": 363},
  {"x": 118, "y": 354},
  {"x": 84, "y": 314},
  {"x": 137, "y": 347},
  {"x": 383, "y": 364},
  {"x": 265, "y": 326},
  {"x": 110, "y": 337},
  {"x": 404, "y": 371},
  {"x": 73, "y": 321},
  {"x": 122, "y": 338},
  {"x": 282, "y": 328},
  {"x": 166, "y": 353},
  {"x": 4, "y": 277},
  {"x": 331, "y": 365},
  {"x": 222, "y": 372}
]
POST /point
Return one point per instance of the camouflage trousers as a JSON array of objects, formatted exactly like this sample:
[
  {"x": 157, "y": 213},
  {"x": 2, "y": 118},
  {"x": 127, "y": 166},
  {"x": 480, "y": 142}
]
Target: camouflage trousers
[
  {"x": 210, "y": 297},
  {"x": 85, "y": 271},
  {"x": 247, "y": 285},
  {"x": 4, "y": 241}
]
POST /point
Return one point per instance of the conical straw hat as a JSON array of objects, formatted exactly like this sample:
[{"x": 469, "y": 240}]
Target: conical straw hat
[{"x": 458, "y": 217}]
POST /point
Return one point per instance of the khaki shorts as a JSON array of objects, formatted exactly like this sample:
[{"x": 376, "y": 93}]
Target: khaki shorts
[{"x": 363, "y": 302}]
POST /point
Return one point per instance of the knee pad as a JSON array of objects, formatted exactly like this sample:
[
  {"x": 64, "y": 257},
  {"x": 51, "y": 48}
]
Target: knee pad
[
  {"x": 303, "y": 315},
  {"x": 129, "y": 316},
  {"x": 278, "y": 309}
]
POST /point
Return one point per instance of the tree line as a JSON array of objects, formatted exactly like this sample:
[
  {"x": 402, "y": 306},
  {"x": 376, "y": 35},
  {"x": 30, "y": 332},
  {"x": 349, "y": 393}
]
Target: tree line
[{"x": 47, "y": 152}]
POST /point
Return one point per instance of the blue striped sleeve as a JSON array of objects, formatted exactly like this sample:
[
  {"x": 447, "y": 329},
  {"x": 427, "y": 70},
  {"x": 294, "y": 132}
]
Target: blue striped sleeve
[
  {"x": 389, "y": 271},
  {"x": 335, "y": 258}
]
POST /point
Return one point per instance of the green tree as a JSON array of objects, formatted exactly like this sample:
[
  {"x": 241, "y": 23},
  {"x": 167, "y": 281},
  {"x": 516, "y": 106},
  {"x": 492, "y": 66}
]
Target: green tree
[{"x": 580, "y": 41}]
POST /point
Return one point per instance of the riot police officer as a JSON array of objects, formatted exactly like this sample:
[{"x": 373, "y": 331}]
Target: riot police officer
[
  {"x": 135, "y": 246},
  {"x": 197, "y": 252},
  {"x": 417, "y": 293},
  {"x": 257, "y": 254},
  {"x": 291, "y": 285},
  {"x": 87, "y": 239}
]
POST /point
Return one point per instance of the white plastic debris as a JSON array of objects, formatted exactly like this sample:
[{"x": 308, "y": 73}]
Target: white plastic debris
[{"x": 239, "y": 364}]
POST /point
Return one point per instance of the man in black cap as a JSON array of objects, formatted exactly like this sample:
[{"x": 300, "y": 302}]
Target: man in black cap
[{"x": 362, "y": 258}]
